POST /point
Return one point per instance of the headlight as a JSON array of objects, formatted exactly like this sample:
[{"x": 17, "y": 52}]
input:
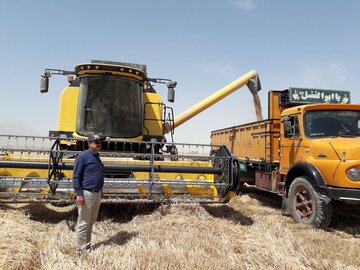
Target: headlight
[{"x": 354, "y": 174}]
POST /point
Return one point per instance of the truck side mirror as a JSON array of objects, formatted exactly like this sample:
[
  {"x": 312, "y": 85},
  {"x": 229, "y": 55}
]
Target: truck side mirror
[{"x": 44, "y": 84}]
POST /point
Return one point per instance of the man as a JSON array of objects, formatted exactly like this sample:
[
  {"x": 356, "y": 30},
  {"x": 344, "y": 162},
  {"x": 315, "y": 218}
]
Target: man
[{"x": 88, "y": 181}]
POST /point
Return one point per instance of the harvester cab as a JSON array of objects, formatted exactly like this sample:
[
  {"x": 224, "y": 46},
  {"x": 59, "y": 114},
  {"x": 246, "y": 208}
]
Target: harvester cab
[
  {"x": 118, "y": 102},
  {"x": 112, "y": 99}
]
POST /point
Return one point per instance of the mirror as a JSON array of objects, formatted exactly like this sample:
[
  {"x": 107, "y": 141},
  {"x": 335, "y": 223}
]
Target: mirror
[
  {"x": 171, "y": 94},
  {"x": 44, "y": 84},
  {"x": 171, "y": 90},
  {"x": 287, "y": 128}
]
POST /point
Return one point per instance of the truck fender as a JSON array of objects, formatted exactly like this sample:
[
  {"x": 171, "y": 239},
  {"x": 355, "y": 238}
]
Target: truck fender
[{"x": 302, "y": 168}]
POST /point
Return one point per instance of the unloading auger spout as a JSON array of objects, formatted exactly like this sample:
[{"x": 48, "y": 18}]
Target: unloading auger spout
[{"x": 251, "y": 79}]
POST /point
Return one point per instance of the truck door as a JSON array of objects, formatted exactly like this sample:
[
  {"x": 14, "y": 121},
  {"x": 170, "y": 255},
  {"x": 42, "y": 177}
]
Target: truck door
[{"x": 290, "y": 142}]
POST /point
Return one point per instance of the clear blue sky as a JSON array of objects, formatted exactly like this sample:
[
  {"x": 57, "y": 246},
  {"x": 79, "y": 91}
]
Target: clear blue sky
[{"x": 202, "y": 44}]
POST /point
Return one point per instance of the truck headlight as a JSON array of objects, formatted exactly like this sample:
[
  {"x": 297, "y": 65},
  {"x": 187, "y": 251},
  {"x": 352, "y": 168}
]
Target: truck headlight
[{"x": 354, "y": 174}]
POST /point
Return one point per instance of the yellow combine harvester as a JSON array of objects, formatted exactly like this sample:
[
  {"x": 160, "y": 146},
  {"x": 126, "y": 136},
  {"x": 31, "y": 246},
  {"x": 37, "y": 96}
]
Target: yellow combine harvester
[{"x": 117, "y": 101}]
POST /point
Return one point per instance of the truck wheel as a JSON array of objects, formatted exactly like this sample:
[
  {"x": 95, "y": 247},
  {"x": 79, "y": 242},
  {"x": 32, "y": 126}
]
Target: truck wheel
[{"x": 308, "y": 206}]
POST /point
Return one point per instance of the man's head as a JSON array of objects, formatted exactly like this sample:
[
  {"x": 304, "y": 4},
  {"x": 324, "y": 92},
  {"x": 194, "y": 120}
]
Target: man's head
[{"x": 94, "y": 142}]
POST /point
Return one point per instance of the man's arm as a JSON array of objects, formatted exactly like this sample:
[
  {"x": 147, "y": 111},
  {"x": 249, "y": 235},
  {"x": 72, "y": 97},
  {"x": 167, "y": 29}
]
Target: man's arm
[{"x": 78, "y": 174}]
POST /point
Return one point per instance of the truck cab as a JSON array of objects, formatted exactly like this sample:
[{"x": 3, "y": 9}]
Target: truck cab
[
  {"x": 320, "y": 146},
  {"x": 325, "y": 135}
]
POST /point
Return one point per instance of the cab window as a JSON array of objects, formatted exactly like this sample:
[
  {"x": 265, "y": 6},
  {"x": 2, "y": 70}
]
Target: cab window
[{"x": 293, "y": 130}]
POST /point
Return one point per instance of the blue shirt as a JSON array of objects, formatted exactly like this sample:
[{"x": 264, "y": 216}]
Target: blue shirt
[{"x": 88, "y": 172}]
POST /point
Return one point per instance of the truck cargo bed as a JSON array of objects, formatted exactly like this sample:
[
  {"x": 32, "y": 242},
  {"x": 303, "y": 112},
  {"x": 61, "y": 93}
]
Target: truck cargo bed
[{"x": 257, "y": 141}]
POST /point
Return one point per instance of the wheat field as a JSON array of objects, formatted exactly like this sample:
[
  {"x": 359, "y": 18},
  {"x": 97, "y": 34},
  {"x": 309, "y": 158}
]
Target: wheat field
[{"x": 249, "y": 232}]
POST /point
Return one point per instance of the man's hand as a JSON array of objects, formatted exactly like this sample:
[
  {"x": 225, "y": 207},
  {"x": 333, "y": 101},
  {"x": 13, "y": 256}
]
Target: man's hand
[{"x": 80, "y": 201}]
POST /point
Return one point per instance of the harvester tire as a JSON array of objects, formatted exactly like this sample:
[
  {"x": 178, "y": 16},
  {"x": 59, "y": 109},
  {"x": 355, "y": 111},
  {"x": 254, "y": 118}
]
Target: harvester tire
[
  {"x": 308, "y": 206},
  {"x": 238, "y": 186}
]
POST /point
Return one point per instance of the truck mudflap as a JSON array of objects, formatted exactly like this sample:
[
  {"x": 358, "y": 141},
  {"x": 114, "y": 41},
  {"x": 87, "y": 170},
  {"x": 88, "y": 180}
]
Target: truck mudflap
[
  {"x": 340, "y": 193},
  {"x": 39, "y": 169}
]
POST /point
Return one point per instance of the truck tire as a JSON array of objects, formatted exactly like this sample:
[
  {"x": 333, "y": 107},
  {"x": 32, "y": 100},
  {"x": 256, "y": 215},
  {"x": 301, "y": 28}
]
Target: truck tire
[{"x": 308, "y": 206}]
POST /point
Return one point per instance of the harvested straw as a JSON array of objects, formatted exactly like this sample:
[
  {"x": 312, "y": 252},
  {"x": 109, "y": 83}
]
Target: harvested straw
[{"x": 247, "y": 233}]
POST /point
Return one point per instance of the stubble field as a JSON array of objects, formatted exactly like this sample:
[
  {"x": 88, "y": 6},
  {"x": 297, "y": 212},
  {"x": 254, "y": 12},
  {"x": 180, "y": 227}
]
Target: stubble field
[{"x": 249, "y": 232}]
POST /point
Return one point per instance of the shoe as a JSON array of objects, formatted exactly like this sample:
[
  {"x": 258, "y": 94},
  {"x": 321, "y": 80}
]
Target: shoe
[
  {"x": 79, "y": 254},
  {"x": 89, "y": 247}
]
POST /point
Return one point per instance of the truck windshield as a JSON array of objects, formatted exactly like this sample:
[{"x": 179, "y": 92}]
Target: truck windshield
[
  {"x": 109, "y": 106},
  {"x": 330, "y": 123}
]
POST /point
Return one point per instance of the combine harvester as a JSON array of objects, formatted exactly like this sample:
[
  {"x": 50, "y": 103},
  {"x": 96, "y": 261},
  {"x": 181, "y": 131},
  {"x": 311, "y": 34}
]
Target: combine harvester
[{"x": 117, "y": 101}]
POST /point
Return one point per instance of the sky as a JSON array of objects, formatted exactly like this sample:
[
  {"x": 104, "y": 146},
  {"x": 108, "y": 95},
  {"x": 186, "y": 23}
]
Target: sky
[{"x": 202, "y": 44}]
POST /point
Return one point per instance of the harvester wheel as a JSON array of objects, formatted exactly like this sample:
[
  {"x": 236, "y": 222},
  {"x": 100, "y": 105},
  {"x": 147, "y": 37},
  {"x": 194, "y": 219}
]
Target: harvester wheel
[
  {"x": 308, "y": 206},
  {"x": 238, "y": 186}
]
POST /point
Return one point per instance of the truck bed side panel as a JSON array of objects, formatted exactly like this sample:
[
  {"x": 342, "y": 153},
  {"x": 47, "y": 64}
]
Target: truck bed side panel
[{"x": 257, "y": 141}]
